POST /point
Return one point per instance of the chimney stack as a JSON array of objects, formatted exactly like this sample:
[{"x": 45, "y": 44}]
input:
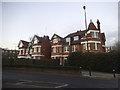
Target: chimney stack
[{"x": 98, "y": 24}]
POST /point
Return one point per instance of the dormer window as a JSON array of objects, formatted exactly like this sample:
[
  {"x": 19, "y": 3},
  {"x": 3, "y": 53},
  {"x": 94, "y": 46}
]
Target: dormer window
[
  {"x": 68, "y": 39},
  {"x": 76, "y": 38},
  {"x": 94, "y": 34}
]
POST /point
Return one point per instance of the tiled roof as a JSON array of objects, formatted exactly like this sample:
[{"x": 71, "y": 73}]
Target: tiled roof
[
  {"x": 91, "y": 26},
  {"x": 25, "y": 43},
  {"x": 78, "y": 33},
  {"x": 42, "y": 39},
  {"x": 57, "y": 36}
]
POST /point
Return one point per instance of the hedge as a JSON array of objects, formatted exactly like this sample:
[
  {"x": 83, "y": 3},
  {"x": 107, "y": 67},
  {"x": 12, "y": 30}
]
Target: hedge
[
  {"x": 30, "y": 62},
  {"x": 104, "y": 62}
]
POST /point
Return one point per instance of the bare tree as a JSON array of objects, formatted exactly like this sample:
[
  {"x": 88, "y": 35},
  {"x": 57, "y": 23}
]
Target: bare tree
[{"x": 116, "y": 46}]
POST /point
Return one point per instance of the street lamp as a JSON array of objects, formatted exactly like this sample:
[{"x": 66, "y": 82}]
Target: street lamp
[{"x": 84, "y": 7}]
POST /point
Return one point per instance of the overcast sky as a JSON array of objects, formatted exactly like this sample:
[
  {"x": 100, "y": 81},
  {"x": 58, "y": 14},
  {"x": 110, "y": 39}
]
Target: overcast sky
[{"x": 21, "y": 20}]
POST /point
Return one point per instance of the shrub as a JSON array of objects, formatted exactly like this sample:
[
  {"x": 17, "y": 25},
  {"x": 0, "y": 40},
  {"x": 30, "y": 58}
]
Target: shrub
[{"x": 104, "y": 62}]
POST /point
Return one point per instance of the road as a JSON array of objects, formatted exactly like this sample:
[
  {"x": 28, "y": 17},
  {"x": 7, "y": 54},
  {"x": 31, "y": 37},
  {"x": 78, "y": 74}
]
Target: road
[{"x": 19, "y": 79}]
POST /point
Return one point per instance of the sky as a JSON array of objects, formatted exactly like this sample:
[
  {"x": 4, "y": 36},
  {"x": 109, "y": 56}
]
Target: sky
[{"x": 22, "y": 20}]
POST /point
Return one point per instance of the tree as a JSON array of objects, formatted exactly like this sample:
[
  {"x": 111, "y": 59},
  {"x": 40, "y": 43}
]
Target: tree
[{"x": 116, "y": 46}]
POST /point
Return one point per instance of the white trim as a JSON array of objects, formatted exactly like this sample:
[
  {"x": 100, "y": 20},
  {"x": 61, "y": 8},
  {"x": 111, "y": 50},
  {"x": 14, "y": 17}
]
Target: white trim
[
  {"x": 37, "y": 55},
  {"x": 92, "y": 31},
  {"x": 76, "y": 38},
  {"x": 65, "y": 55},
  {"x": 96, "y": 46},
  {"x": 103, "y": 46},
  {"x": 56, "y": 56},
  {"x": 57, "y": 46},
  {"x": 83, "y": 42},
  {"x": 59, "y": 56},
  {"x": 36, "y": 46},
  {"x": 67, "y": 39},
  {"x": 22, "y": 57}
]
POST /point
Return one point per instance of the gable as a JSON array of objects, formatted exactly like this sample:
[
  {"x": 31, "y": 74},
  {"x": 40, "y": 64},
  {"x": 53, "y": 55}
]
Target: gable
[
  {"x": 35, "y": 40},
  {"x": 54, "y": 36},
  {"x": 20, "y": 44}
]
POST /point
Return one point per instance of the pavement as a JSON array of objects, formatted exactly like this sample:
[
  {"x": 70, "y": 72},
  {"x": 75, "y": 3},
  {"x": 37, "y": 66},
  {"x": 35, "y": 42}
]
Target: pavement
[{"x": 100, "y": 75}]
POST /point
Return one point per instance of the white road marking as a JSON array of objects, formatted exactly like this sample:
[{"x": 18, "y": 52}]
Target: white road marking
[
  {"x": 57, "y": 85},
  {"x": 61, "y": 86}
]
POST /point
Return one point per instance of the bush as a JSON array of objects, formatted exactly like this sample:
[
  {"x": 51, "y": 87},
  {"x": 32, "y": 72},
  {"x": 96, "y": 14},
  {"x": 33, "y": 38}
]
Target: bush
[
  {"x": 104, "y": 62},
  {"x": 29, "y": 62}
]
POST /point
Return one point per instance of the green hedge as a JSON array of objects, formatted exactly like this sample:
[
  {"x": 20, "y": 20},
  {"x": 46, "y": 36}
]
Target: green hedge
[
  {"x": 104, "y": 62},
  {"x": 30, "y": 62}
]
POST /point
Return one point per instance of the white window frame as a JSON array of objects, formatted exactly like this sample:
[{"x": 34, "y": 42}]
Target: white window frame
[
  {"x": 74, "y": 48},
  {"x": 39, "y": 49},
  {"x": 66, "y": 49},
  {"x": 55, "y": 40},
  {"x": 35, "y": 49},
  {"x": 68, "y": 39},
  {"x": 94, "y": 34},
  {"x": 54, "y": 49},
  {"x": 98, "y": 48},
  {"x": 76, "y": 38},
  {"x": 85, "y": 46}
]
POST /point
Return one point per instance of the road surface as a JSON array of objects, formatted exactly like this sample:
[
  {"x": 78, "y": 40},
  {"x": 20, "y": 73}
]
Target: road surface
[{"x": 19, "y": 79}]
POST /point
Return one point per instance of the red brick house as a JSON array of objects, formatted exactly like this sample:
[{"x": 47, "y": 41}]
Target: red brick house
[
  {"x": 41, "y": 47},
  {"x": 38, "y": 48},
  {"x": 90, "y": 40},
  {"x": 57, "y": 47}
]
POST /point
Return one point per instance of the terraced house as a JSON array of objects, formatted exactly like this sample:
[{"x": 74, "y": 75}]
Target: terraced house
[
  {"x": 90, "y": 40},
  {"x": 38, "y": 48}
]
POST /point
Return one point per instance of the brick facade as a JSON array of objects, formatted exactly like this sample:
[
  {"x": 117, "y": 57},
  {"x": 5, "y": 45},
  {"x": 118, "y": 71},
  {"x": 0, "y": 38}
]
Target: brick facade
[
  {"x": 38, "y": 48},
  {"x": 91, "y": 40}
]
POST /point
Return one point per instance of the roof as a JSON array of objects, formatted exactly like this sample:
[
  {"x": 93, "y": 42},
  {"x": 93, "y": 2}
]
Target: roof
[
  {"x": 78, "y": 33},
  {"x": 25, "y": 43},
  {"x": 91, "y": 26},
  {"x": 57, "y": 36},
  {"x": 42, "y": 39}
]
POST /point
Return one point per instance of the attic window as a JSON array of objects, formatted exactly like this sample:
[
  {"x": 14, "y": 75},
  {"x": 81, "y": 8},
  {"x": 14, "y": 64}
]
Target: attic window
[
  {"x": 76, "y": 38},
  {"x": 94, "y": 34},
  {"x": 68, "y": 39}
]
